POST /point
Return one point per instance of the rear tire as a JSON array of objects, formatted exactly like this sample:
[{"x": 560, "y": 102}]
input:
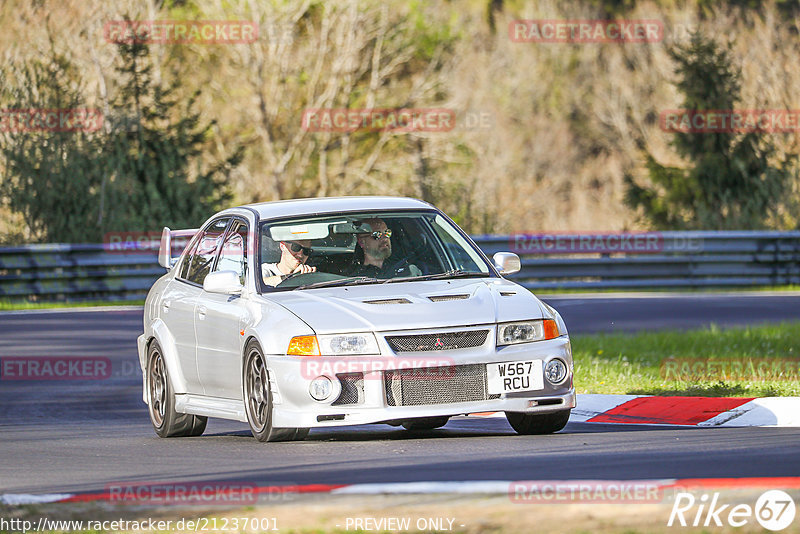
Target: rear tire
[
  {"x": 161, "y": 401},
  {"x": 258, "y": 400},
  {"x": 426, "y": 423},
  {"x": 529, "y": 424}
]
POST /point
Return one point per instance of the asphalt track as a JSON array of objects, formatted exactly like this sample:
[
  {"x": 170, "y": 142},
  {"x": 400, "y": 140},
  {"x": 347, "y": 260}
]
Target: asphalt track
[{"x": 82, "y": 436}]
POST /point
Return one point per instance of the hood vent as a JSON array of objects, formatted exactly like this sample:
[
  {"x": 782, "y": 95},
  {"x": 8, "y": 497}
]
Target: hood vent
[
  {"x": 445, "y": 298},
  {"x": 388, "y": 301}
]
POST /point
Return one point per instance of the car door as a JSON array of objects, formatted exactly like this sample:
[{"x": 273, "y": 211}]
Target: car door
[
  {"x": 220, "y": 321},
  {"x": 179, "y": 301}
]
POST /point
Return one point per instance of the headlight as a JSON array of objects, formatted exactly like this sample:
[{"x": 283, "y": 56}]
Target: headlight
[
  {"x": 555, "y": 371},
  {"x": 526, "y": 331},
  {"x": 334, "y": 345}
]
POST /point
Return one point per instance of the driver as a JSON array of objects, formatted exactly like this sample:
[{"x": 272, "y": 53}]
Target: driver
[
  {"x": 294, "y": 255},
  {"x": 377, "y": 247}
]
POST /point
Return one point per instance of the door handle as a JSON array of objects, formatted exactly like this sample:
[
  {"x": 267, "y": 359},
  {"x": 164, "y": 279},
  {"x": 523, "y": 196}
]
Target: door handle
[
  {"x": 165, "y": 306},
  {"x": 201, "y": 312}
]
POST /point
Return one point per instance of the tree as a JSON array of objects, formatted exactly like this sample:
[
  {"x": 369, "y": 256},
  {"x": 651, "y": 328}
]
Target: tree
[
  {"x": 734, "y": 181},
  {"x": 142, "y": 170},
  {"x": 153, "y": 151},
  {"x": 49, "y": 176}
]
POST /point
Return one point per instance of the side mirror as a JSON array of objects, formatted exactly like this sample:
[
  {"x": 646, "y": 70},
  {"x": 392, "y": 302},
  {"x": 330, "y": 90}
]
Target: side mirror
[
  {"x": 507, "y": 262},
  {"x": 224, "y": 282}
]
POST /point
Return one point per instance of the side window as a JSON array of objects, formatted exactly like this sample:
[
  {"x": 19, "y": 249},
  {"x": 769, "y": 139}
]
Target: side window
[
  {"x": 187, "y": 259},
  {"x": 234, "y": 251},
  {"x": 202, "y": 259}
]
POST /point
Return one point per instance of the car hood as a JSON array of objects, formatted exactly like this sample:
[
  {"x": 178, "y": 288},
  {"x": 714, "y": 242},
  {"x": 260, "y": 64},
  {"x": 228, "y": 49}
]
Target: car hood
[{"x": 411, "y": 305}]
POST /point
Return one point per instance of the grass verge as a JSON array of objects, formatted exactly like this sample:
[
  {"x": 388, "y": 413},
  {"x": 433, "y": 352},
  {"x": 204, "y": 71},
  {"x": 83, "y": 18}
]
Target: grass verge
[
  {"x": 754, "y": 361},
  {"x": 675, "y": 290},
  {"x": 10, "y": 305}
]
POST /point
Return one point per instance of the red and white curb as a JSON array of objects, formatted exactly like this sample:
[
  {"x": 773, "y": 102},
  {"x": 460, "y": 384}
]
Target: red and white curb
[
  {"x": 684, "y": 411},
  {"x": 474, "y": 487}
]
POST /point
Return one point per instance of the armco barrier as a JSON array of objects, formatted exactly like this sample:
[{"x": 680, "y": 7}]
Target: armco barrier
[
  {"x": 670, "y": 259},
  {"x": 675, "y": 260},
  {"x": 77, "y": 272}
]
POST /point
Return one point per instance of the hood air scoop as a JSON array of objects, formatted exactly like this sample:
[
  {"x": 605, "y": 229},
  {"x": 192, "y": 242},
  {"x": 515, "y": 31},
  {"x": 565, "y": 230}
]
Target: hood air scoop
[
  {"x": 445, "y": 298},
  {"x": 388, "y": 301}
]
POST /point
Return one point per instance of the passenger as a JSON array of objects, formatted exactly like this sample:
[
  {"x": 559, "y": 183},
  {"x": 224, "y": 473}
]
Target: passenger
[
  {"x": 294, "y": 255},
  {"x": 372, "y": 251}
]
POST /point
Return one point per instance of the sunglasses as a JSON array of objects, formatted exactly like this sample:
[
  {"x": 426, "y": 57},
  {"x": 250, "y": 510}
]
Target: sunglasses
[
  {"x": 381, "y": 235},
  {"x": 297, "y": 248}
]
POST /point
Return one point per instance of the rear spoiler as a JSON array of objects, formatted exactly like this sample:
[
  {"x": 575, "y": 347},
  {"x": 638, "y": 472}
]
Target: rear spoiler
[{"x": 173, "y": 241}]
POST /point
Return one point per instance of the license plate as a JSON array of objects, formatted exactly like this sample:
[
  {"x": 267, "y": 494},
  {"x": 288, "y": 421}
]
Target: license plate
[{"x": 507, "y": 377}]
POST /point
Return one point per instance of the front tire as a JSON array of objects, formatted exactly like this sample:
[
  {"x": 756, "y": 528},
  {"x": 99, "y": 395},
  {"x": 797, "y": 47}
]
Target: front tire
[
  {"x": 258, "y": 400},
  {"x": 530, "y": 424},
  {"x": 161, "y": 401}
]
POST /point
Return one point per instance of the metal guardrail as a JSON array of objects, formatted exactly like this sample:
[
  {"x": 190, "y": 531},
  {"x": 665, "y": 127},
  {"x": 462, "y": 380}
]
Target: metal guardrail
[
  {"x": 653, "y": 260},
  {"x": 568, "y": 261},
  {"x": 75, "y": 272}
]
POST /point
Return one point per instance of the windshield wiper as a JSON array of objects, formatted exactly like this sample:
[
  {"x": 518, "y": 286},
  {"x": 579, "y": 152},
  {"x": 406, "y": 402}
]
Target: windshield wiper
[
  {"x": 455, "y": 273},
  {"x": 351, "y": 281}
]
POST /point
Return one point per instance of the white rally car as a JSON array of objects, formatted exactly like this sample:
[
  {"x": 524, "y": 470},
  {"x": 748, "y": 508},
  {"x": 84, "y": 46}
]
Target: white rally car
[{"x": 315, "y": 313}]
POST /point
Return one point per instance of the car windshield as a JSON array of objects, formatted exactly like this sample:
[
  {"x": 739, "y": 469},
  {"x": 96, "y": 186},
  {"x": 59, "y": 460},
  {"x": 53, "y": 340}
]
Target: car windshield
[{"x": 365, "y": 248}]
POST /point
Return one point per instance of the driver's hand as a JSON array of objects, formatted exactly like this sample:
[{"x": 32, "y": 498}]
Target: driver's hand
[{"x": 303, "y": 268}]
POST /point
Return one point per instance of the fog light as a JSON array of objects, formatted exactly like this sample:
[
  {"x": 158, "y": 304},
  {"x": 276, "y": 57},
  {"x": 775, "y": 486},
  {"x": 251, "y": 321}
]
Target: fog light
[
  {"x": 555, "y": 371},
  {"x": 320, "y": 388}
]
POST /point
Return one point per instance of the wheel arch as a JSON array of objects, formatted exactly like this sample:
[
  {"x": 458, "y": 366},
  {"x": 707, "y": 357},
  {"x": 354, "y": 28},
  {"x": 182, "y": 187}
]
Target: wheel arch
[{"x": 161, "y": 334}]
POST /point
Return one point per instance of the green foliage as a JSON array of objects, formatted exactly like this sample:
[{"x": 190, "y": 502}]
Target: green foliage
[
  {"x": 429, "y": 36},
  {"x": 734, "y": 181},
  {"x": 155, "y": 142},
  {"x": 140, "y": 171},
  {"x": 51, "y": 177}
]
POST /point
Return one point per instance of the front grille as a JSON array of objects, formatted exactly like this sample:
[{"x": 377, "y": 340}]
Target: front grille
[
  {"x": 442, "y": 341},
  {"x": 436, "y": 385},
  {"x": 352, "y": 389}
]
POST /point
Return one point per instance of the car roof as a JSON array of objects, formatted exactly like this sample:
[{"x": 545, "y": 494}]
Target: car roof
[{"x": 313, "y": 206}]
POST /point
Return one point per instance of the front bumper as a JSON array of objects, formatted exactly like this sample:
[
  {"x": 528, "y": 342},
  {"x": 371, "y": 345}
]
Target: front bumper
[{"x": 290, "y": 378}]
